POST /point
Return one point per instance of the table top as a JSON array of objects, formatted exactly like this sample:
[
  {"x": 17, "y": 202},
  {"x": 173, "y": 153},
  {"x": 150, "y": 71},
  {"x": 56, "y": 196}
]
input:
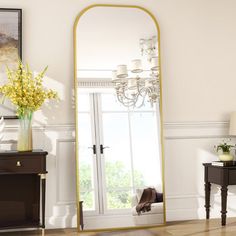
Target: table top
[
  {"x": 221, "y": 167},
  {"x": 29, "y": 153}
]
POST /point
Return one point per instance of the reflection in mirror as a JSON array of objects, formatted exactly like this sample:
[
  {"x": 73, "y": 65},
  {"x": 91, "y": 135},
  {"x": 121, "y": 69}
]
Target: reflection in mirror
[{"x": 118, "y": 119}]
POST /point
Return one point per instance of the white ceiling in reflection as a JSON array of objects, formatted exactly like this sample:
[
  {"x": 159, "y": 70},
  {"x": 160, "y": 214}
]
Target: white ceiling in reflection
[{"x": 109, "y": 36}]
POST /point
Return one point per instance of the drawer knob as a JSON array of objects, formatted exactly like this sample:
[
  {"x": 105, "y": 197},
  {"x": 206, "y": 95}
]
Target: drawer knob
[{"x": 18, "y": 163}]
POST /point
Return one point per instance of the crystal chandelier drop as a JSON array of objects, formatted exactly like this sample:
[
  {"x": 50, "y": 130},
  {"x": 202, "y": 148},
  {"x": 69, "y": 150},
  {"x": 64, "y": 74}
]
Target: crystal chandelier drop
[
  {"x": 135, "y": 86},
  {"x": 148, "y": 47}
]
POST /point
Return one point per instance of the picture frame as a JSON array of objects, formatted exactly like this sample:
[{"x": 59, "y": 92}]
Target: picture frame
[{"x": 10, "y": 50}]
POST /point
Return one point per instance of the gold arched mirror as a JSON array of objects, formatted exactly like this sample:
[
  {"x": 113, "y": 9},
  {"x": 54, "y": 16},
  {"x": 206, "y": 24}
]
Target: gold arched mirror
[{"x": 119, "y": 140}]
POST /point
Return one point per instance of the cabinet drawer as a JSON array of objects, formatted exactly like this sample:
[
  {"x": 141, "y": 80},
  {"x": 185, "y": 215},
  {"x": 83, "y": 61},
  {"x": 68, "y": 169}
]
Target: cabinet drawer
[{"x": 22, "y": 165}]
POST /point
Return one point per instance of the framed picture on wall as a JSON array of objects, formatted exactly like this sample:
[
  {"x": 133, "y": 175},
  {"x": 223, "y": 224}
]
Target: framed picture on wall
[{"x": 10, "y": 50}]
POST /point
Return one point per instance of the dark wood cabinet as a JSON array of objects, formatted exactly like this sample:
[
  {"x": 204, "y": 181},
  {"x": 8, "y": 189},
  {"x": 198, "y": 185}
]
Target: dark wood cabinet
[{"x": 22, "y": 189}]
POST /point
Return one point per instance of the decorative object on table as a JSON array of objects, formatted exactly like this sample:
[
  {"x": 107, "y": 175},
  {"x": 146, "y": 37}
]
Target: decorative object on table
[
  {"x": 27, "y": 93},
  {"x": 10, "y": 49},
  {"x": 223, "y": 149}
]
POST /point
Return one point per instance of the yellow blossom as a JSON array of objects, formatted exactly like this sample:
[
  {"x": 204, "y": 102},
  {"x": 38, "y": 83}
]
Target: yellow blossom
[{"x": 24, "y": 90}]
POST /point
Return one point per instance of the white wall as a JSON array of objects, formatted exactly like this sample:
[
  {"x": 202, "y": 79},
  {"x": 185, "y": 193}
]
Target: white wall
[{"x": 198, "y": 68}]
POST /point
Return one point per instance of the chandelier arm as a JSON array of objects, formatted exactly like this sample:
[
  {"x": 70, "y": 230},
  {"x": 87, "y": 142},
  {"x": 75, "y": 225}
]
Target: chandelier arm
[
  {"x": 134, "y": 96},
  {"x": 142, "y": 103},
  {"x": 126, "y": 103},
  {"x": 143, "y": 91}
]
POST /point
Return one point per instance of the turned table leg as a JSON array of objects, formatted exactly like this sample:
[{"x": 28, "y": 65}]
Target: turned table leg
[
  {"x": 224, "y": 190},
  {"x": 207, "y": 199},
  {"x": 43, "y": 185}
]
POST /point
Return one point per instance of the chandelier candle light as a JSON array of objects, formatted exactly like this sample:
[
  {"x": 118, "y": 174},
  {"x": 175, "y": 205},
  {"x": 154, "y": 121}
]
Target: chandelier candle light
[
  {"x": 132, "y": 90},
  {"x": 27, "y": 93}
]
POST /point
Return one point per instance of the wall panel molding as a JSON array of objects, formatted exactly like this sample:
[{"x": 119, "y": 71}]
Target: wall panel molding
[
  {"x": 197, "y": 124},
  {"x": 65, "y": 165},
  {"x": 196, "y": 130},
  {"x": 167, "y": 125},
  {"x": 14, "y": 127},
  {"x": 182, "y": 203}
]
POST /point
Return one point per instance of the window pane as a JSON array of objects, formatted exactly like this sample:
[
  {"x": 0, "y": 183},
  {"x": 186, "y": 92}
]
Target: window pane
[
  {"x": 110, "y": 103},
  {"x": 83, "y": 102},
  {"x": 88, "y": 200},
  {"x": 119, "y": 199},
  {"x": 86, "y": 161},
  {"x": 85, "y": 178},
  {"x": 117, "y": 156},
  {"x": 117, "y": 175},
  {"x": 145, "y": 143}
]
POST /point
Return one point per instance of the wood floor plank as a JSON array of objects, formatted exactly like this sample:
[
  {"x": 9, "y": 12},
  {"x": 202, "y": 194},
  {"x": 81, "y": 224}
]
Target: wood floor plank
[{"x": 181, "y": 228}]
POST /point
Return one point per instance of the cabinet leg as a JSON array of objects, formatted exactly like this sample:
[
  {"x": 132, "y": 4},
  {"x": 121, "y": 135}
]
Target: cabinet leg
[
  {"x": 224, "y": 190},
  {"x": 43, "y": 202},
  {"x": 81, "y": 215},
  {"x": 43, "y": 232},
  {"x": 207, "y": 199}
]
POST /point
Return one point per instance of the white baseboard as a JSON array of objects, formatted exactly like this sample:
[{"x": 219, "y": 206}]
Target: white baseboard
[
  {"x": 181, "y": 214},
  {"x": 56, "y": 222}
]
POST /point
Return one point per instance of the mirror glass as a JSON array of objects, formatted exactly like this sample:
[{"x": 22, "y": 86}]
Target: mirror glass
[{"x": 119, "y": 149}]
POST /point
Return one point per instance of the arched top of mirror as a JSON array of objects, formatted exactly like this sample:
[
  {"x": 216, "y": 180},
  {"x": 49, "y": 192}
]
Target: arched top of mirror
[{"x": 106, "y": 39}]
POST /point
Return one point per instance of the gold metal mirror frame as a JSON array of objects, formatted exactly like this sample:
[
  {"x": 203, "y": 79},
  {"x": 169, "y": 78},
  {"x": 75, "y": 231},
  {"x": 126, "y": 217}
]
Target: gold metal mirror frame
[{"x": 76, "y": 115}]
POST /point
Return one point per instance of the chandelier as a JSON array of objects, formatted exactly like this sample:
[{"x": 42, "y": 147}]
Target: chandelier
[{"x": 135, "y": 86}]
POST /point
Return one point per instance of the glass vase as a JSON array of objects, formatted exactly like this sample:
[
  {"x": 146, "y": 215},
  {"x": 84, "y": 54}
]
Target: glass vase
[{"x": 25, "y": 142}]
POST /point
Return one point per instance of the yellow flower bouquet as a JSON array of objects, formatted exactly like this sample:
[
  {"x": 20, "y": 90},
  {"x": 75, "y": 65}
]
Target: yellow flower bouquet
[{"x": 27, "y": 93}]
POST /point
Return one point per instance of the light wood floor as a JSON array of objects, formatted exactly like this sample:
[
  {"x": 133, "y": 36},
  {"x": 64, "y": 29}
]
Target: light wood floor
[{"x": 183, "y": 228}]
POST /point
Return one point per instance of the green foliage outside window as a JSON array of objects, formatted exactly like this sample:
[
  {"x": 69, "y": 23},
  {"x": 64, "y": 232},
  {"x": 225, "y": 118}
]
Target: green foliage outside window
[{"x": 117, "y": 177}]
